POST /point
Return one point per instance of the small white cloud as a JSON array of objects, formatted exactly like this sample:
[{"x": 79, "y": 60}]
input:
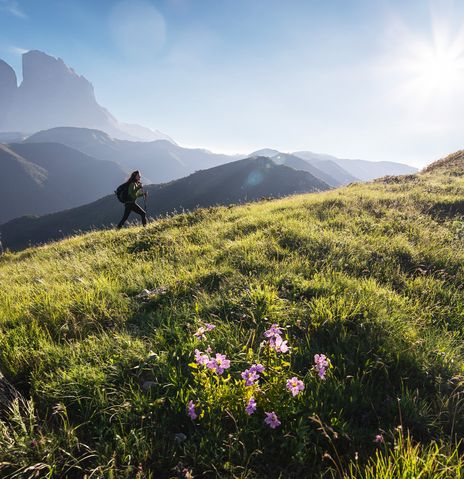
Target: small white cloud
[{"x": 12, "y": 7}]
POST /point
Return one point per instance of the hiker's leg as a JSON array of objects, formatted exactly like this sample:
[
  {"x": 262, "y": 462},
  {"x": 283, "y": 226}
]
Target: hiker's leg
[
  {"x": 140, "y": 211},
  {"x": 127, "y": 210}
]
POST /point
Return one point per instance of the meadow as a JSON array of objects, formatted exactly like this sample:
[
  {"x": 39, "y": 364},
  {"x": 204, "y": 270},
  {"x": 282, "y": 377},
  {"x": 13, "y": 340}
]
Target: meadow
[{"x": 188, "y": 349}]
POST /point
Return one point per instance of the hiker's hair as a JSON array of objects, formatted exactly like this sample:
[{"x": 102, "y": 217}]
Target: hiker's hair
[{"x": 132, "y": 177}]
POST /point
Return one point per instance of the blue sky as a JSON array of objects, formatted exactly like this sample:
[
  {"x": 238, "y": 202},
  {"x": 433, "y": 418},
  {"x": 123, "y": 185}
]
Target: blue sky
[{"x": 371, "y": 79}]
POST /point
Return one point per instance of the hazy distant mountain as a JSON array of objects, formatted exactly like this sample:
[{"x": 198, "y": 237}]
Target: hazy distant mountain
[
  {"x": 13, "y": 136},
  {"x": 159, "y": 161},
  {"x": 52, "y": 94},
  {"x": 235, "y": 182},
  {"x": 328, "y": 164},
  {"x": 265, "y": 152},
  {"x": 369, "y": 170},
  {"x": 299, "y": 164},
  {"x": 44, "y": 178},
  {"x": 359, "y": 169},
  {"x": 319, "y": 165}
]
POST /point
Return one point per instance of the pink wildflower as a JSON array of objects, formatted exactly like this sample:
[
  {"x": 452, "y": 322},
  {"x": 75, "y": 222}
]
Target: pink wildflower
[
  {"x": 191, "y": 410},
  {"x": 209, "y": 326},
  {"x": 321, "y": 363},
  {"x": 200, "y": 358},
  {"x": 200, "y": 334},
  {"x": 219, "y": 363},
  {"x": 251, "y": 406},
  {"x": 278, "y": 344},
  {"x": 250, "y": 377},
  {"x": 272, "y": 420},
  {"x": 273, "y": 331},
  {"x": 379, "y": 439},
  {"x": 294, "y": 385},
  {"x": 259, "y": 368}
]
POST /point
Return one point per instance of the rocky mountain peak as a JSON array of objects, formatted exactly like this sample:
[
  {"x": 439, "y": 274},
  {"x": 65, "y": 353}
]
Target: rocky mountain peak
[
  {"x": 8, "y": 81},
  {"x": 8, "y": 90},
  {"x": 41, "y": 70},
  {"x": 53, "y": 95}
]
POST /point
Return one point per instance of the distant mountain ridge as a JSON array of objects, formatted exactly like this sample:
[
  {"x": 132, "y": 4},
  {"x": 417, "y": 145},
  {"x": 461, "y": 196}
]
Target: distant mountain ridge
[
  {"x": 53, "y": 94},
  {"x": 322, "y": 171},
  {"x": 338, "y": 171},
  {"x": 240, "y": 181},
  {"x": 361, "y": 169},
  {"x": 48, "y": 177},
  {"x": 159, "y": 161}
]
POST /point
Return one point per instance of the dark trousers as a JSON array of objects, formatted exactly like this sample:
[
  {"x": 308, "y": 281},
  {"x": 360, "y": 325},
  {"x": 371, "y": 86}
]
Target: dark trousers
[{"x": 133, "y": 206}]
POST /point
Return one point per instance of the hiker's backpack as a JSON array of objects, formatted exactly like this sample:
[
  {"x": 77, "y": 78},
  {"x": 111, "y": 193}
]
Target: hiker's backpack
[{"x": 122, "y": 192}]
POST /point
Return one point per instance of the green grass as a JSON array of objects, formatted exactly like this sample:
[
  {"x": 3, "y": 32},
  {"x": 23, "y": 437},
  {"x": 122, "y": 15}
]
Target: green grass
[{"x": 369, "y": 275}]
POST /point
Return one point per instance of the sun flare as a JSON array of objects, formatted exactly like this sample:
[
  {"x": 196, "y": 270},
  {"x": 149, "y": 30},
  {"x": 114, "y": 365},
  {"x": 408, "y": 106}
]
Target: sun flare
[{"x": 438, "y": 69}]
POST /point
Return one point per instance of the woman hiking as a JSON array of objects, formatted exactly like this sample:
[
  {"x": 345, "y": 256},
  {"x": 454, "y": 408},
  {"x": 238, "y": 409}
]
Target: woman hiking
[{"x": 134, "y": 190}]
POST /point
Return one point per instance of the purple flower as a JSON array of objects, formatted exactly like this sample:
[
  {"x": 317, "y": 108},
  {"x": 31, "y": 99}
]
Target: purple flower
[
  {"x": 321, "y": 363},
  {"x": 278, "y": 344},
  {"x": 219, "y": 363},
  {"x": 273, "y": 331},
  {"x": 200, "y": 334},
  {"x": 250, "y": 377},
  {"x": 294, "y": 385},
  {"x": 251, "y": 406},
  {"x": 201, "y": 358},
  {"x": 259, "y": 368},
  {"x": 272, "y": 420},
  {"x": 191, "y": 410},
  {"x": 379, "y": 439}
]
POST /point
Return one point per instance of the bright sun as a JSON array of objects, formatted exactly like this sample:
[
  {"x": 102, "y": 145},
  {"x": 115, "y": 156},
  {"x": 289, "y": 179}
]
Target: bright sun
[
  {"x": 434, "y": 68},
  {"x": 438, "y": 69}
]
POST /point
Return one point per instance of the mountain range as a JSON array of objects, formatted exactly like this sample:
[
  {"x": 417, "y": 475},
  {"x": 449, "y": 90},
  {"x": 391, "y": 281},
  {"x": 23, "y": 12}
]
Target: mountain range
[
  {"x": 162, "y": 161},
  {"x": 159, "y": 161},
  {"x": 240, "y": 181},
  {"x": 362, "y": 170},
  {"x": 80, "y": 165},
  {"x": 52, "y": 94},
  {"x": 46, "y": 177}
]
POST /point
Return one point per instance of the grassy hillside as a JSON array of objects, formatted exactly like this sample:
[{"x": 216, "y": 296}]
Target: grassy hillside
[{"x": 369, "y": 275}]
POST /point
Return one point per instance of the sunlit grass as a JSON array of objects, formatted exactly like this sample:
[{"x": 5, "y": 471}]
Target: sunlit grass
[{"x": 370, "y": 275}]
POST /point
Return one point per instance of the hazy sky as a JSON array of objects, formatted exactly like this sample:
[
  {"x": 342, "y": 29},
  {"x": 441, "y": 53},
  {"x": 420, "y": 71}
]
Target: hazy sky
[{"x": 371, "y": 79}]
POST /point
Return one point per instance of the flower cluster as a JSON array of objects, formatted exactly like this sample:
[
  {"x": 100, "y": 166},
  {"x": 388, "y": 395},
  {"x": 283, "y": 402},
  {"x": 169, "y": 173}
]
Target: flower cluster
[
  {"x": 276, "y": 342},
  {"x": 321, "y": 363},
  {"x": 219, "y": 363}
]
